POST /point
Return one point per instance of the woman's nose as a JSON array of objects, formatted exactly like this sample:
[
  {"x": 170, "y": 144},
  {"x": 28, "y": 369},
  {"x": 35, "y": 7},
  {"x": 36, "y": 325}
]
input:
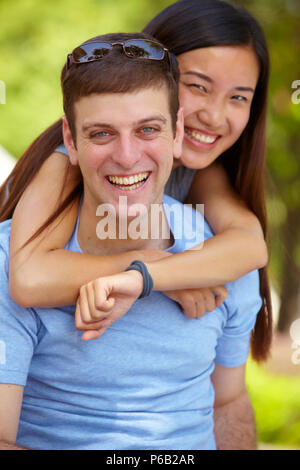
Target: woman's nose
[{"x": 212, "y": 114}]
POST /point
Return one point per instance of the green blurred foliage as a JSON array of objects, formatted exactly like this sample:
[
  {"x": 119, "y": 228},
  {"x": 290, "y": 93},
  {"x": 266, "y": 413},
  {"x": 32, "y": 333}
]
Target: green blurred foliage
[
  {"x": 276, "y": 402},
  {"x": 35, "y": 38}
]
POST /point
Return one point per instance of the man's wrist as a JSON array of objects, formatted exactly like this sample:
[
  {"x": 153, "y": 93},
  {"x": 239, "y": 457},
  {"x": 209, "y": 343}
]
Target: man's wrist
[{"x": 139, "y": 266}]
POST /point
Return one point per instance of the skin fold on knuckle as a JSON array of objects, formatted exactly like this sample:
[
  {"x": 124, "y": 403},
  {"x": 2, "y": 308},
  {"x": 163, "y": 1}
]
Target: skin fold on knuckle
[{"x": 99, "y": 316}]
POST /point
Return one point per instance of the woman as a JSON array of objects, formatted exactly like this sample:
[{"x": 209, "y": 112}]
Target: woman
[{"x": 225, "y": 118}]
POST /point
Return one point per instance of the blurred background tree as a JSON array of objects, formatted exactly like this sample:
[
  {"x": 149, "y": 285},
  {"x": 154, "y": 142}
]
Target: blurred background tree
[{"x": 35, "y": 38}]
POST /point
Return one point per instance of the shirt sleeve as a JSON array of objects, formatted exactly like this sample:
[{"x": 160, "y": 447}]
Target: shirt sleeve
[
  {"x": 18, "y": 331},
  {"x": 243, "y": 304},
  {"x": 62, "y": 149}
]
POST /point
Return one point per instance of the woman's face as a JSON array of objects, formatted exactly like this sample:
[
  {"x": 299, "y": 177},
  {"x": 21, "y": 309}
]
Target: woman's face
[{"x": 217, "y": 85}]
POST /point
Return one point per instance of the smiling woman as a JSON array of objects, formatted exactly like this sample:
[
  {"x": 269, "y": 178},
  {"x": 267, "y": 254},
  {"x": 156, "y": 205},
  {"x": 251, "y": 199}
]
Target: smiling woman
[
  {"x": 216, "y": 89},
  {"x": 193, "y": 27}
]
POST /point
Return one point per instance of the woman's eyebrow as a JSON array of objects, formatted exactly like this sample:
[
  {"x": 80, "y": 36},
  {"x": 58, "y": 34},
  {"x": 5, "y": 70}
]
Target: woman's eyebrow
[
  {"x": 244, "y": 88},
  {"x": 199, "y": 75},
  {"x": 210, "y": 80}
]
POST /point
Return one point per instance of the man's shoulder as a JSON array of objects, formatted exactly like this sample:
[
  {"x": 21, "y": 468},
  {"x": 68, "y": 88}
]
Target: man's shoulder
[
  {"x": 244, "y": 291},
  {"x": 5, "y": 230},
  {"x": 4, "y": 246},
  {"x": 13, "y": 317},
  {"x": 73, "y": 244}
]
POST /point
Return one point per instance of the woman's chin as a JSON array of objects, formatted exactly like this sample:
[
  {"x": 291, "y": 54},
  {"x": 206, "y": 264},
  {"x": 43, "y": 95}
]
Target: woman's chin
[{"x": 197, "y": 163}]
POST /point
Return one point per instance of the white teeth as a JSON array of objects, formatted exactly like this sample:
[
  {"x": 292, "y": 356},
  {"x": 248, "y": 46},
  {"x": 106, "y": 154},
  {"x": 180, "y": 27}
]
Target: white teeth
[
  {"x": 130, "y": 180},
  {"x": 130, "y": 188},
  {"x": 206, "y": 139}
]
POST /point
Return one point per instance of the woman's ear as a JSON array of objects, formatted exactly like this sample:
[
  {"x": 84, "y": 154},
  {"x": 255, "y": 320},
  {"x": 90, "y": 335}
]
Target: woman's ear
[
  {"x": 178, "y": 140},
  {"x": 69, "y": 142}
]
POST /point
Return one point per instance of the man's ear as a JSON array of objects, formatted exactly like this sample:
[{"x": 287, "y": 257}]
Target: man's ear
[
  {"x": 69, "y": 142},
  {"x": 179, "y": 134}
]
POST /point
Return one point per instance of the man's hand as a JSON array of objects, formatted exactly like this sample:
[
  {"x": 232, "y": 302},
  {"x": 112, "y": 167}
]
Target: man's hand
[
  {"x": 105, "y": 300},
  {"x": 196, "y": 302}
]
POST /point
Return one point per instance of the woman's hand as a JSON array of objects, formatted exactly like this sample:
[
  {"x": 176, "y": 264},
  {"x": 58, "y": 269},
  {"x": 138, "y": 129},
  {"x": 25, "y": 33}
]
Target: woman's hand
[
  {"x": 196, "y": 302},
  {"x": 105, "y": 300}
]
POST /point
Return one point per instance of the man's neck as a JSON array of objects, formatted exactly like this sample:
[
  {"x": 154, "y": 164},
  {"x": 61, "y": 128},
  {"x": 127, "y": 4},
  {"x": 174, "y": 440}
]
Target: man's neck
[{"x": 119, "y": 237}]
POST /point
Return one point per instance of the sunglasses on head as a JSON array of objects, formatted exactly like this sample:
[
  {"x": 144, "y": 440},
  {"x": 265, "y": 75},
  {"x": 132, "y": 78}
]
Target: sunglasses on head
[{"x": 134, "y": 49}]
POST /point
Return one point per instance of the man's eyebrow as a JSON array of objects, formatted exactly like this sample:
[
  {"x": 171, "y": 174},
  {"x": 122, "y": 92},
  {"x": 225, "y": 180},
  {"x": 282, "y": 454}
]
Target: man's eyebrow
[
  {"x": 156, "y": 117},
  {"x": 91, "y": 125},
  {"x": 210, "y": 80}
]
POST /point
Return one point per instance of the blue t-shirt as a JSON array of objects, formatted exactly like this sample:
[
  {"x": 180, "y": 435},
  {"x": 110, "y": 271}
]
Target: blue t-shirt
[
  {"x": 145, "y": 384},
  {"x": 178, "y": 184}
]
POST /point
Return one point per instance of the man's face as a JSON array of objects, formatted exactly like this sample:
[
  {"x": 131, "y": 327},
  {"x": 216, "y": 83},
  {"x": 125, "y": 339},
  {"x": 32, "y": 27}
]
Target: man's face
[{"x": 124, "y": 146}]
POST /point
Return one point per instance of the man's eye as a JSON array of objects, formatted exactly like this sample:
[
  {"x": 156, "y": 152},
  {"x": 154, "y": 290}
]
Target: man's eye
[
  {"x": 147, "y": 130},
  {"x": 100, "y": 134}
]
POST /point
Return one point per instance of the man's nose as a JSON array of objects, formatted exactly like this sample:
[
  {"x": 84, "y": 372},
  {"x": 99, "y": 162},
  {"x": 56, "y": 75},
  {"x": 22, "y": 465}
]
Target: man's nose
[
  {"x": 213, "y": 114},
  {"x": 127, "y": 152}
]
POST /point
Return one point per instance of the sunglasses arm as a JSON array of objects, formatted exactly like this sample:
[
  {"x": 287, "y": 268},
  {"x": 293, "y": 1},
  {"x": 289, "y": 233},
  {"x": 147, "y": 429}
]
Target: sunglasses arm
[{"x": 69, "y": 60}]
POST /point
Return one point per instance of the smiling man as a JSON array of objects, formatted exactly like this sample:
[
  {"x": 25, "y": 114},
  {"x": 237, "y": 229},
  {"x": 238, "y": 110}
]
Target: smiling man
[
  {"x": 125, "y": 145},
  {"x": 155, "y": 379}
]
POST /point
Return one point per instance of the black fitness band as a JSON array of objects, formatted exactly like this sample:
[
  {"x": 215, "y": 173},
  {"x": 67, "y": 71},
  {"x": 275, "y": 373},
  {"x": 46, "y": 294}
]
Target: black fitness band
[{"x": 148, "y": 282}]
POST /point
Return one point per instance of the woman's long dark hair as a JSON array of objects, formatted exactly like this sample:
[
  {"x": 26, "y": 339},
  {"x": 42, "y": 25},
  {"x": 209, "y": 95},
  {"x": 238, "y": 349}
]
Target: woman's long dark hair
[
  {"x": 184, "y": 26},
  {"x": 193, "y": 24}
]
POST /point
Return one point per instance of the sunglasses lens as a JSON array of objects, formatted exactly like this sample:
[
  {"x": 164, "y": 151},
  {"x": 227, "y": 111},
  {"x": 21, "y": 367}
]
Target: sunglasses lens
[
  {"x": 144, "y": 49},
  {"x": 92, "y": 51},
  {"x": 138, "y": 48}
]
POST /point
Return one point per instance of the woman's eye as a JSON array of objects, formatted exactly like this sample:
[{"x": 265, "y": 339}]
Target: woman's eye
[
  {"x": 197, "y": 86},
  {"x": 239, "y": 98}
]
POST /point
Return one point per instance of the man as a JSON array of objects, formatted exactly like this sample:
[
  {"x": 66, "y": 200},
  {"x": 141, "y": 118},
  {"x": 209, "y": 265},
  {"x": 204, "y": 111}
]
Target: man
[{"x": 145, "y": 384}]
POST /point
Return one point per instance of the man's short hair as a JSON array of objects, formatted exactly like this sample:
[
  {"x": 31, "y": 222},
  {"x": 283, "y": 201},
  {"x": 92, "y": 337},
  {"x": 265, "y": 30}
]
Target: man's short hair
[{"x": 116, "y": 73}]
